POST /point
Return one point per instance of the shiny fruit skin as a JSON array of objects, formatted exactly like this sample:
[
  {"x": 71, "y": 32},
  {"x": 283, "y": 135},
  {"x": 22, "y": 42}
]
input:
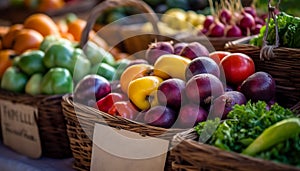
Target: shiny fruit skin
[
  {"x": 217, "y": 56},
  {"x": 202, "y": 88},
  {"x": 42, "y": 23},
  {"x": 202, "y": 65},
  {"x": 133, "y": 72},
  {"x": 160, "y": 116},
  {"x": 237, "y": 67},
  {"x": 27, "y": 39}
]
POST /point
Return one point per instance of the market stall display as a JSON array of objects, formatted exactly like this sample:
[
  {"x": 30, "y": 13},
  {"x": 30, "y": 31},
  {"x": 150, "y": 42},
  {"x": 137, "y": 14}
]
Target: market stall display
[
  {"x": 42, "y": 63},
  {"x": 218, "y": 153},
  {"x": 272, "y": 52},
  {"x": 81, "y": 113},
  {"x": 222, "y": 89},
  {"x": 229, "y": 144}
]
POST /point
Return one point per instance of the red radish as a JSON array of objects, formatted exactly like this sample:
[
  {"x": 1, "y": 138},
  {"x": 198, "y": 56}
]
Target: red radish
[
  {"x": 259, "y": 21},
  {"x": 256, "y": 29},
  {"x": 251, "y": 11},
  {"x": 225, "y": 16},
  {"x": 203, "y": 31},
  {"x": 217, "y": 29},
  {"x": 236, "y": 15},
  {"x": 247, "y": 21},
  {"x": 208, "y": 21},
  {"x": 157, "y": 49},
  {"x": 234, "y": 31}
]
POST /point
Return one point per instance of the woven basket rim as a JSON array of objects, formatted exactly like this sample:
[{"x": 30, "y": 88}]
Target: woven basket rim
[
  {"x": 69, "y": 99},
  {"x": 194, "y": 145},
  {"x": 244, "y": 42},
  {"x": 50, "y": 121}
]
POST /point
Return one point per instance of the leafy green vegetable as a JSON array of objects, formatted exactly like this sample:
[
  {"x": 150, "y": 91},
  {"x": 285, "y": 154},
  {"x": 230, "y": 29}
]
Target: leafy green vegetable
[
  {"x": 288, "y": 30},
  {"x": 244, "y": 124}
]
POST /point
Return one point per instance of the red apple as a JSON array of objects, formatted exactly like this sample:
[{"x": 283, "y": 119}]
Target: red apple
[
  {"x": 105, "y": 103},
  {"x": 124, "y": 109},
  {"x": 217, "y": 56}
]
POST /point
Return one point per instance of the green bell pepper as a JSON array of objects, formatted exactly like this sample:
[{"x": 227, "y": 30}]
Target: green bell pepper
[
  {"x": 33, "y": 86},
  {"x": 58, "y": 55},
  {"x": 57, "y": 81},
  {"x": 31, "y": 62},
  {"x": 49, "y": 40},
  {"x": 14, "y": 80},
  {"x": 97, "y": 54},
  {"x": 80, "y": 65},
  {"x": 65, "y": 56}
]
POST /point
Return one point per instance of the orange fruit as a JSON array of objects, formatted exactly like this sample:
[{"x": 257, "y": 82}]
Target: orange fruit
[
  {"x": 27, "y": 39},
  {"x": 8, "y": 38},
  {"x": 48, "y": 5},
  {"x": 41, "y": 23},
  {"x": 76, "y": 27},
  {"x": 67, "y": 35},
  {"x": 3, "y": 30},
  {"x": 5, "y": 60}
]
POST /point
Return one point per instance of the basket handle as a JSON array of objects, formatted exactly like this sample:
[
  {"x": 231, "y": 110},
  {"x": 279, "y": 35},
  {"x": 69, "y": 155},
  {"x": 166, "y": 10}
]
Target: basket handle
[
  {"x": 110, "y": 4},
  {"x": 267, "y": 50}
]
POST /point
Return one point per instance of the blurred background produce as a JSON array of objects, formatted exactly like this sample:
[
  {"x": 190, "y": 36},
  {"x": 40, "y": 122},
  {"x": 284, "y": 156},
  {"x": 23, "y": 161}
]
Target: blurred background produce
[
  {"x": 42, "y": 56},
  {"x": 185, "y": 13},
  {"x": 15, "y": 11}
]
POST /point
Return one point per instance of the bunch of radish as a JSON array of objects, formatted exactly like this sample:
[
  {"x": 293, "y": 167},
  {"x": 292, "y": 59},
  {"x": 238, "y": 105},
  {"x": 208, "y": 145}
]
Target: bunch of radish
[{"x": 230, "y": 19}]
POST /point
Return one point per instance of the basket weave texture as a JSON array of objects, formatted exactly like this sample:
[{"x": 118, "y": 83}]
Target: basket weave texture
[
  {"x": 51, "y": 122},
  {"x": 190, "y": 155},
  {"x": 211, "y": 43},
  {"x": 80, "y": 127}
]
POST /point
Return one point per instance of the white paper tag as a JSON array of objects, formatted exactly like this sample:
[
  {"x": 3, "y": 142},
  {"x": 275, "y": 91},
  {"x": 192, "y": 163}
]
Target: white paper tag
[
  {"x": 19, "y": 128},
  {"x": 123, "y": 150}
]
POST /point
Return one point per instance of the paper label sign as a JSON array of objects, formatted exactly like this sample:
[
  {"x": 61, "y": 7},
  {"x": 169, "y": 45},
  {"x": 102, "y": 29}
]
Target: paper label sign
[
  {"x": 19, "y": 128},
  {"x": 123, "y": 150}
]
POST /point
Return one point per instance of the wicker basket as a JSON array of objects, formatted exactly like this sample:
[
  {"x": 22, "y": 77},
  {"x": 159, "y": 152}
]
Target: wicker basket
[
  {"x": 283, "y": 66},
  {"x": 281, "y": 62},
  {"x": 190, "y": 155},
  {"x": 51, "y": 123},
  {"x": 81, "y": 119},
  {"x": 80, "y": 127},
  {"x": 211, "y": 43},
  {"x": 140, "y": 40}
]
